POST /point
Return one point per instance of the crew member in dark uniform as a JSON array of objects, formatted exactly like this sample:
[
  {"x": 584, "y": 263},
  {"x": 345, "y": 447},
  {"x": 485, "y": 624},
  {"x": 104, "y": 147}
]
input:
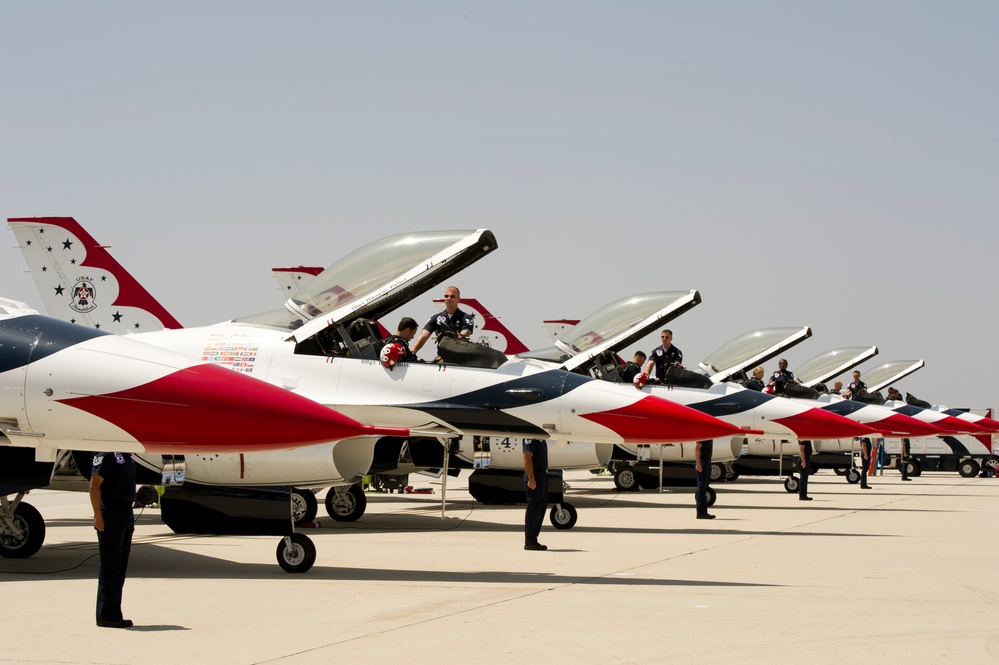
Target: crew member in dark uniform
[
  {"x": 780, "y": 377},
  {"x": 857, "y": 387},
  {"x": 536, "y": 484},
  {"x": 451, "y": 318},
  {"x": 805, "y": 452},
  {"x": 403, "y": 335},
  {"x": 904, "y": 462},
  {"x": 756, "y": 383},
  {"x": 112, "y": 491},
  {"x": 865, "y": 460},
  {"x": 702, "y": 453},
  {"x": 633, "y": 368},
  {"x": 664, "y": 355}
]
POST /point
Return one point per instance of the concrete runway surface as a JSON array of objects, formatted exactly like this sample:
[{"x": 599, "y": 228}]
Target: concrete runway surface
[{"x": 903, "y": 573}]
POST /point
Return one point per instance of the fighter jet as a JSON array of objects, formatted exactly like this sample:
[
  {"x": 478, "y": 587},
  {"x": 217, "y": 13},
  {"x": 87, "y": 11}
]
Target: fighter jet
[{"x": 63, "y": 386}]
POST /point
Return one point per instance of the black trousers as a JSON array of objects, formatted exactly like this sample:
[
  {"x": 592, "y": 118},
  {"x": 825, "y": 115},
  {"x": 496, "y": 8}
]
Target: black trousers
[
  {"x": 537, "y": 503},
  {"x": 865, "y": 458},
  {"x": 115, "y": 546},
  {"x": 703, "y": 477},
  {"x": 806, "y": 469},
  {"x": 905, "y": 458}
]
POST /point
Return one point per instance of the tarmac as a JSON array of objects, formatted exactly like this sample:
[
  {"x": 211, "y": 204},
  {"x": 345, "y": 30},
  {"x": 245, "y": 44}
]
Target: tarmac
[{"x": 902, "y": 573}]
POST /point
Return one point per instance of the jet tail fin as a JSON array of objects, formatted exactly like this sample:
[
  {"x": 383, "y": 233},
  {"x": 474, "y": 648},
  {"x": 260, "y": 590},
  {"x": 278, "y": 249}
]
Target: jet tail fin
[{"x": 81, "y": 282}]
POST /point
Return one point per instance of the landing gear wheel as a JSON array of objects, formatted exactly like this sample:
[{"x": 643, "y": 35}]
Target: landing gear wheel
[
  {"x": 712, "y": 497},
  {"x": 731, "y": 474},
  {"x": 791, "y": 484},
  {"x": 990, "y": 468},
  {"x": 29, "y": 536},
  {"x": 303, "y": 506},
  {"x": 625, "y": 479},
  {"x": 852, "y": 476},
  {"x": 717, "y": 472},
  {"x": 146, "y": 495},
  {"x": 563, "y": 516},
  {"x": 296, "y": 553},
  {"x": 346, "y": 504},
  {"x": 968, "y": 468}
]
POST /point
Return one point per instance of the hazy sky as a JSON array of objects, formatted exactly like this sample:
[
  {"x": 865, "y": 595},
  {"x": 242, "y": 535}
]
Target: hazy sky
[{"x": 799, "y": 163}]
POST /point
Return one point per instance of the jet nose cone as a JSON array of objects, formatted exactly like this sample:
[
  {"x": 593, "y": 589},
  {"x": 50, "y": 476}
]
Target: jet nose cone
[
  {"x": 655, "y": 420},
  {"x": 988, "y": 424},
  {"x": 206, "y": 408},
  {"x": 818, "y": 424},
  {"x": 901, "y": 425},
  {"x": 952, "y": 425}
]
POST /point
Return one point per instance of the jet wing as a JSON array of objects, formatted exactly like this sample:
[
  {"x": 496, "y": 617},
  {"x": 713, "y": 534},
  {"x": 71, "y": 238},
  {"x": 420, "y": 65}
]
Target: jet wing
[
  {"x": 615, "y": 326},
  {"x": 751, "y": 349},
  {"x": 832, "y": 363},
  {"x": 888, "y": 373},
  {"x": 382, "y": 276}
]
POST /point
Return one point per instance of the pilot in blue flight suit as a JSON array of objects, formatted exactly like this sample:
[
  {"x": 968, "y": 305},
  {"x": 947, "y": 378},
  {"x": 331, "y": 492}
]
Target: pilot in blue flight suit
[
  {"x": 664, "y": 355},
  {"x": 112, "y": 491},
  {"x": 536, "y": 484},
  {"x": 451, "y": 318}
]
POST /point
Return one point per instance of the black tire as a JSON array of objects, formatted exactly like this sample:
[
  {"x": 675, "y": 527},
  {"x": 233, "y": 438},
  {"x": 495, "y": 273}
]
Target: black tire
[
  {"x": 563, "y": 516},
  {"x": 146, "y": 495},
  {"x": 839, "y": 471},
  {"x": 299, "y": 557},
  {"x": 731, "y": 474},
  {"x": 852, "y": 476},
  {"x": 717, "y": 472},
  {"x": 32, "y": 527},
  {"x": 304, "y": 506},
  {"x": 712, "y": 496},
  {"x": 648, "y": 482},
  {"x": 912, "y": 469},
  {"x": 791, "y": 484},
  {"x": 346, "y": 505},
  {"x": 625, "y": 479},
  {"x": 968, "y": 468}
]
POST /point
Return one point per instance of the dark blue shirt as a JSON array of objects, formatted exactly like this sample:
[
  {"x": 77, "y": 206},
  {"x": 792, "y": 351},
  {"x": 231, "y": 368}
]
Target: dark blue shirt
[
  {"x": 662, "y": 357},
  {"x": 780, "y": 377},
  {"x": 118, "y": 472},
  {"x": 458, "y": 322},
  {"x": 856, "y": 387},
  {"x": 539, "y": 456}
]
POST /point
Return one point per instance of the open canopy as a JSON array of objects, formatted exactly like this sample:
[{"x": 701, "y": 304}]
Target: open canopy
[
  {"x": 615, "y": 326},
  {"x": 751, "y": 349}
]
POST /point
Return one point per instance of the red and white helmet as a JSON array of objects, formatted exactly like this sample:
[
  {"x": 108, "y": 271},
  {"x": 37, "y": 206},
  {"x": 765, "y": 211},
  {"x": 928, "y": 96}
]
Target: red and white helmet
[{"x": 390, "y": 354}]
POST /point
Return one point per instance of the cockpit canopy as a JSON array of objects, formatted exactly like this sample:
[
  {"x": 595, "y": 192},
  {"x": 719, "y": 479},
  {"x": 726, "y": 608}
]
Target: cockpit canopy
[{"x": 615, "y": 326}]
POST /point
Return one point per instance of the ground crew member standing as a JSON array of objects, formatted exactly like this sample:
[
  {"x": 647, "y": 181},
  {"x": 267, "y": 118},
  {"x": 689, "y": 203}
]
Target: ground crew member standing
[
  {"x": 536, "y": 484},
  {"x": 805, "y": 452},
  {"x": 865, "y": 461},
  {"x": 112, "y": 491},
  {"x": 905, "y": 459},
  {"x": 702, "y": 453}
]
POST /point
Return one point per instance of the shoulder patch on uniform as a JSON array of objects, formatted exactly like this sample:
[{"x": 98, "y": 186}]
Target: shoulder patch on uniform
[
  {"x": 98, "y": 459},
  {"x": 119, "y": 458}
]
